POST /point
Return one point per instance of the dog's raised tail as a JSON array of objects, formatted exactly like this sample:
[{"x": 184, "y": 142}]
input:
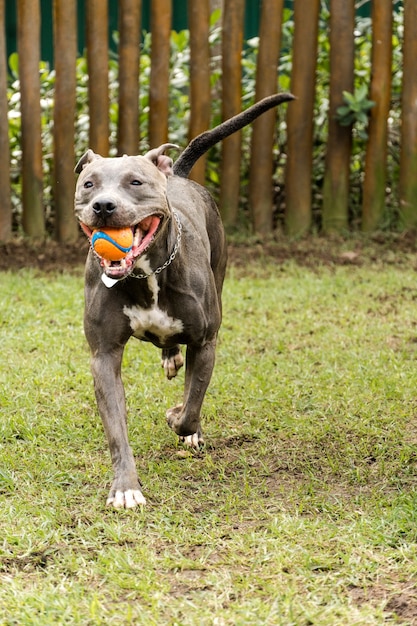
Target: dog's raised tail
[{"x": 200, "y": 144}]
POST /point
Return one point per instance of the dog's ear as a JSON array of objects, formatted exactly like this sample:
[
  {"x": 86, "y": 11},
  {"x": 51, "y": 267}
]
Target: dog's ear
[
  {"x": 85, "y": 160},
  {"x": 163, "y": 163}
]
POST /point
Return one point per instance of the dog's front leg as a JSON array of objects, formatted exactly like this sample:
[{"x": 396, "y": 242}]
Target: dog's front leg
[
  {"x": 184, "y": 419},
  {"x": 106, "y": 368}
]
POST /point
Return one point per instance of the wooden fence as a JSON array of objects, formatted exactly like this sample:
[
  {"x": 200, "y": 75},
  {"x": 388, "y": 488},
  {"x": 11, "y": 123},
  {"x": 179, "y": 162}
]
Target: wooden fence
[{"x": 300, "y": 121}]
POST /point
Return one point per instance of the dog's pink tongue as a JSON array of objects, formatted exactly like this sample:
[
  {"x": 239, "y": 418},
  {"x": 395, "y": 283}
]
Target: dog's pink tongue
[{"x": 148, "y": 226}]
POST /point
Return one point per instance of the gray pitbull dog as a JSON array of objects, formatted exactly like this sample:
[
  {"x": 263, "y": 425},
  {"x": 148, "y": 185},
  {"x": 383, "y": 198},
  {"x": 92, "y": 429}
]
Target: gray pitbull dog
[{"x": 167, "y": 290}]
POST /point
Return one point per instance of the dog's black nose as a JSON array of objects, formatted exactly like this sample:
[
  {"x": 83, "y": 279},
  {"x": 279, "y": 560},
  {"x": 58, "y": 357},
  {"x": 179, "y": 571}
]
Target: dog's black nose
[{"x": 104, "y": 208}]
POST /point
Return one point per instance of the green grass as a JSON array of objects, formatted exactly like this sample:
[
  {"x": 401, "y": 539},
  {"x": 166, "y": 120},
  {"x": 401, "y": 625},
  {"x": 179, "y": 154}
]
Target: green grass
[{"x": 301, "y": 511}]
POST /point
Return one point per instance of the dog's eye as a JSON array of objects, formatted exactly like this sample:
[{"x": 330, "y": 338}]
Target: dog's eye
[
  {"x": 88, "y": 184},
  {"x": 135, "y": 182}
]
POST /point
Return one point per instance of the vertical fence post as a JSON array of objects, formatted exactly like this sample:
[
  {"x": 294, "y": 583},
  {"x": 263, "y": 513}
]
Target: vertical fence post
[
  {"x": 232, "y": 40},
  {"x": 300, "y": 119},
  {"x": 161, "y": 14},
  {"x": 28, "y": 43},
  {"x": 130, "y": 12},
  {"x": 376, "y": 153},
  {"x": 408, "y": 157},
  {"x": 199, "y": 24},
  {"x": 98, "y": 74},
  {"x": 5, "y": 198},
  {"x": 65, "y": 48},
  {"x": 263, "y": 133},
  {"x": 339, "y": 144}
]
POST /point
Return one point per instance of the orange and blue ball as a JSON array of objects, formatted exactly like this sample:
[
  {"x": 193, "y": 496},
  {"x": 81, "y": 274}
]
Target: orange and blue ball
[{"x": 112, "y": 244}]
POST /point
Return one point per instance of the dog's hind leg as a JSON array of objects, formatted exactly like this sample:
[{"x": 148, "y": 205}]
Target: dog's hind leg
[
  {"x": 172, "y": 360},
  {"x": 184, "y": 419}
]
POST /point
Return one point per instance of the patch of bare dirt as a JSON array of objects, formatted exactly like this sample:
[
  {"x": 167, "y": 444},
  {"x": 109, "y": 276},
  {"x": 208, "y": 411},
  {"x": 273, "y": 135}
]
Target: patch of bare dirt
[
  {"x": 315, "y": 251},
  {"x": 401, "y": 602},
  {"x": 49, "y": 256},
  {"x": 311, "y": 252}
]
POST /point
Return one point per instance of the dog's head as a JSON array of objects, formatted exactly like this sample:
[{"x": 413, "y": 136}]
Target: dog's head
[{"x": 121, "y": 192}]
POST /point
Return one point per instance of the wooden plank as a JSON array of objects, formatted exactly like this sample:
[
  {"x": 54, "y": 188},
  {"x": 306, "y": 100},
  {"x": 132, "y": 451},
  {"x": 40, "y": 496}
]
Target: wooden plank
[
  {"x": 232, "y": 42},
  {"x": 264, "y": 128},
  {"x": 65, "y": 47},
  {"x": 5, "y": 198},
  {"x": 130, "y": 12},
  {"x": 380, "y": 92},
  {"x": 200, "y": 92},
  {"x": 161, "y": 16},
  {"x": 335, "y": 210},
  {"x": 28, "y": 37},
  {"x": 98, "y": 75},
  {"x": 408, "y": 157},
  {"x": 300, "y": 114}
]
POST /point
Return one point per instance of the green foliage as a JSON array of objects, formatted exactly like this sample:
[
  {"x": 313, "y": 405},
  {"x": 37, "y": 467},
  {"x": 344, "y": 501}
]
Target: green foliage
[{"x": 354, "y": 110}]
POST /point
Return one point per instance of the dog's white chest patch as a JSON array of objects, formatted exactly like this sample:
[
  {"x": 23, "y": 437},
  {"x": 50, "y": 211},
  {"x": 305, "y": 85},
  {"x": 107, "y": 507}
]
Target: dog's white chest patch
[{"x": 154, "y": 321}]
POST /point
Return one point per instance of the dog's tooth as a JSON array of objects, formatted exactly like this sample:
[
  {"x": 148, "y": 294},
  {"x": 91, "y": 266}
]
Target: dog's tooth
[
  {"x": 123, "y": 263},
  {"x": 137, "y": 238}
]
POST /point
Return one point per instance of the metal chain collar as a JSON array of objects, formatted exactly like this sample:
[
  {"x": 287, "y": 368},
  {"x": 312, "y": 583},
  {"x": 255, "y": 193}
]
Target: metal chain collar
[{"x": 171, "y": 256}]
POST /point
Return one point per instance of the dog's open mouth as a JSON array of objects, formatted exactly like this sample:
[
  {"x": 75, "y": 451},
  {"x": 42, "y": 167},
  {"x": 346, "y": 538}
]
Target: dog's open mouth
[{"x": 143, "y": 235}]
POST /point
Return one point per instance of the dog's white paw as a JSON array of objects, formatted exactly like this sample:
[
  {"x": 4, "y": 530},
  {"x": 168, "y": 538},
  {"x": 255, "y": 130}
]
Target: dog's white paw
[
  {"x": 172, "y": 364},
  {"x": 192, "y": 441},
  {"x": 126, "y": 499}
]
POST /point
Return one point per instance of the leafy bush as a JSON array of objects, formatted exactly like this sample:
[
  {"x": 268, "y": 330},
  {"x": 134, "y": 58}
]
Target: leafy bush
[
  {"x": 355, "y": 109},
  {"x": 179, "y": 108}
]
